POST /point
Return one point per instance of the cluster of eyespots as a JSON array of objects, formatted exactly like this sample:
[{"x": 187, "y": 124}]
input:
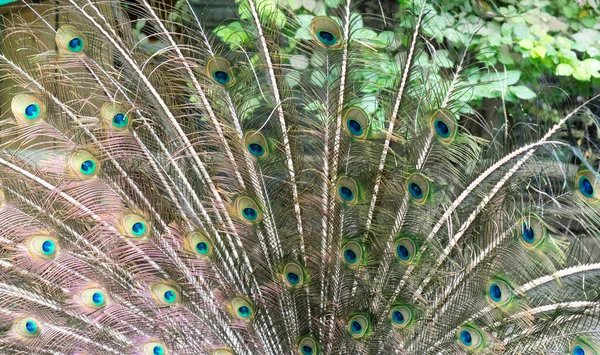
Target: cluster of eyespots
[
  {"x": 27, "y": 108},
  {"x": 70, "y": 40},
  {"x": 444, "y": 124},
  {"x": 586, "y": 185},
  {"x": 256, "y": 143},
  {"x": 326, "y": 32},
  {"x": 358, "y": 326},
  {"x": 248, "y": 210},
  {"x": 219, "y": 70},
  {"x": 418, "y": 188},
  {"x": 347, "y": 190},
  {"x": 401, "y": 316},
  {"x": 43, "y": 246},
  {"x": 533, "y": 232},
  {"x": 165, "y": 294},
  {"x": 242, "y": 309},
  {"x": 27, "y": 327},
  {"x": 135, "y": 226},
  {"x": 308, "y": 346}
]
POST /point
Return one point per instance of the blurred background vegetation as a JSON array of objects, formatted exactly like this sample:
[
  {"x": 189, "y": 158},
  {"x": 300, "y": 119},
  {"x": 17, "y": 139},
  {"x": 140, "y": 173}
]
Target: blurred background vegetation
[{"x": 533, "y": 58}]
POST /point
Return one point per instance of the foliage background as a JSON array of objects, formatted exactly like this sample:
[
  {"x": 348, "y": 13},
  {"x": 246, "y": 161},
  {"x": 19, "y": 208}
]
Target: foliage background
[{"x": 537, "y": 58}]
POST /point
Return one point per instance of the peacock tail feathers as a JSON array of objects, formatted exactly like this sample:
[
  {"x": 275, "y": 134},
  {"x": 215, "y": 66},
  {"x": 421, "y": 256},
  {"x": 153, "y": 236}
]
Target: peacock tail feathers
[{"x": 245, "y": 199}]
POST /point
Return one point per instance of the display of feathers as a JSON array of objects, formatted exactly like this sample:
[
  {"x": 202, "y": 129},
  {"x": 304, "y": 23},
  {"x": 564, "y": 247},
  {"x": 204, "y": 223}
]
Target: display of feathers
[{"x": 216, "y": 199}]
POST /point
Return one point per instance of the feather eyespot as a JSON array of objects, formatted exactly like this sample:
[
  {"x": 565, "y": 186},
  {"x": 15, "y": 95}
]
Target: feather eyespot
[
  {"x": 70, "y": 40},
  {"x": 357, "y": 122},
  {"x": 242, "y": 309},
  {"x": 405, "y": 250},
  {"x": 326, "y": 32},
  {"x": 352, "y": 254},
  {"x": 401, "y": 316},
  {"x": 219, "y": 70},
  {"x": 199, "y": 244},
  {"x": 347, "y": 190},
  {"x": 43, "y": 247},
  {"x": 444, "y": 124},
  {"x": 27, "y": 327},
  {"x": 27, "y": 108},
  {"x": 248, "y": 210},
  {"x": 587, "y": 185},
  {"x": 358, "y": 326},
  {"x": 308, "y": 346},
  {"x": 154, "y": 348},
  {"x": 583, "y": 347},
  {"x": 135, "y": 226},
  {"x": 499, "y": 292},
  {"x": 256, "y": 143},
  {"x": 165, "y": 294},
  {"x": 418, "y": 188},
  {"x": 470, "y": 338},
  {"x": 532, "y": 232},
  {"x": 115, "y": 116},
  {"x": 94, "y": 298},
  {"x": 293, "y": 275},
  {"x": 84, "y": 165}
]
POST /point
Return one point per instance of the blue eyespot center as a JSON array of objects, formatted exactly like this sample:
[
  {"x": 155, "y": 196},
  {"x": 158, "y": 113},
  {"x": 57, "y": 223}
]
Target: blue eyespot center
[
  {"x": 98, "y": 298},
  {"x": 402, "y": 252},
  {"x": 465, "y": 337},
  {"x": 120, "y": 120},
  {"x": 32, "y": 111},
  {"x": 221, "y": 77},
  {"x": 250, "y": 213},
  {"x": 350, "y": 256},
  {"x": 76, "y": 44},
  {"x": 442, "y": 128},
  {"x": 326, "y": 37},
  {"x": 293, "y": 278},
  {"x": 397, "y": 317},
  {"x": 256, "y": 149},
  {"x": 586, "y": 187},
  {"x": 354, "y": 127},
  {"x": 48, "y": 247},
  {"x": 244, "y": 311},
  {"x": 307, "y": 350},
  {"x": 170, "y": 296},
  {"x": 415, "y": 190},
  {"x": 31, "y": 327},
  {"x": 158, "y": 350},
  {"x": 88, "y": 167},
  {"x": 495, "y": 292},
  {"x": 202, "y": 248},
  {"x": 578, "y": 350},
  {"x": 356, "y": 327},
  {"x": 138, "y": 228},
  {"x": 345, "y": 193},
  {"x": 528, "y": 234}
]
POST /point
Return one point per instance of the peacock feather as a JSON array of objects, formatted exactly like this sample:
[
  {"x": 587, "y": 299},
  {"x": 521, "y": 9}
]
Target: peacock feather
[{"x": 206, "y": 198}]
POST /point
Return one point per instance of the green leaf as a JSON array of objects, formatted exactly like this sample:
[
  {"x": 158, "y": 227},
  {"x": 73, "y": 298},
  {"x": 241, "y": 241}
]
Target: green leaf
[
  {"x": 526, "y": 43},
  {"x": 538, "y": 52},
  {"x": 563, "y": 70},
  {"x": 581, "y": 74},
  {"x": 442, "y": 58},
  {"x": 522, "y": 92}
]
